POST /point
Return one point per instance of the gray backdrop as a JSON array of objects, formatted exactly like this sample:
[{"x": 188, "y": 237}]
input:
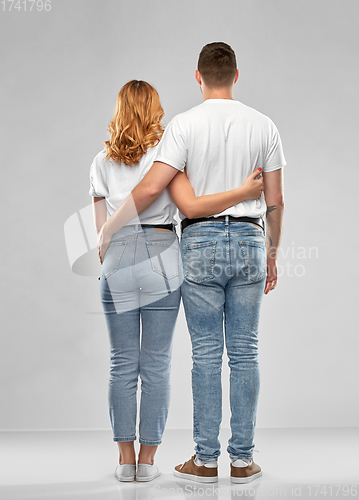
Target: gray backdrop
[{"x": 61, "y": 71}]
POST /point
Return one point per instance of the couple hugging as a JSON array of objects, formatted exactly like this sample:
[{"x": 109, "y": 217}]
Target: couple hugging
[{"x": 220, "y": 164}]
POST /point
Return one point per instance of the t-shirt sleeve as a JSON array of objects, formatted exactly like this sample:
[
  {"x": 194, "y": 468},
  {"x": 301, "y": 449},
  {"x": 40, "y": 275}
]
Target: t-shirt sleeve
[
  {"x": 98, "y": 185},
  {"x": 274, "y": 158},
  {"x": 172, "y": 148}
]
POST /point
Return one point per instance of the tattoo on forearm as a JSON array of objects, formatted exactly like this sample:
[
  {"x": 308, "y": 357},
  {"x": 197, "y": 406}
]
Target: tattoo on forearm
[
  {"x": 269, "y": 241},
  {"x": 271, "y": 208}
]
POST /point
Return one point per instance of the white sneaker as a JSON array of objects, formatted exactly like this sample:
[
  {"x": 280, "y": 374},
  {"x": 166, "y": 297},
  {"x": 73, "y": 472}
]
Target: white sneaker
[
  {"x": 146, "y": 472},
  {"x": 126, "y": 472}
]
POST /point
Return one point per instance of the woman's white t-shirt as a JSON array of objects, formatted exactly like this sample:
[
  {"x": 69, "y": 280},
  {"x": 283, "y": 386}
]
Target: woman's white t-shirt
[{"x": 115, "y": 182}]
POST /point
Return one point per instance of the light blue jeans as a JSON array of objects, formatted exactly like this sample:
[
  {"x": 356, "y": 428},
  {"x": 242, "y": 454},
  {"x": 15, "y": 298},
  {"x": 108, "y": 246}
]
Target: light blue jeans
[
  {"x": 224, "y": 276},
  {"x": 140, "y": 283}
]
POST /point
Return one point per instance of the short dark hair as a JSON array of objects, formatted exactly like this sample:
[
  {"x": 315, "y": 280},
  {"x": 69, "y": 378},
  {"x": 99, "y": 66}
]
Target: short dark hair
[{"x": 217, "y": 64}]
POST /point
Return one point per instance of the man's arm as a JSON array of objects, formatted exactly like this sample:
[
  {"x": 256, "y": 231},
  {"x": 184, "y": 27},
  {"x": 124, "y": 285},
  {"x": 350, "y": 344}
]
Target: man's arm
[
  {"x": 143, "y": 195},
  {"x": 274, "y": 196}
]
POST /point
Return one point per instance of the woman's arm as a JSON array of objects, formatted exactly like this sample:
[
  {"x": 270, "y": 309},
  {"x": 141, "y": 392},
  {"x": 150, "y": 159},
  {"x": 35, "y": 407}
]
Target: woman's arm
[
  {"x": 193, "y": 207},
  {"x": 141, "y": 197},
  {"x": 99, "y": 212}
]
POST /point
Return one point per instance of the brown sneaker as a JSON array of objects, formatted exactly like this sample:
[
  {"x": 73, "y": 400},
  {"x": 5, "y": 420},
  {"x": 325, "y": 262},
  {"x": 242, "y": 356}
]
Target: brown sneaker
[
  {"x": 189, "y": 470},
  {"x": 245, "y": 474}
]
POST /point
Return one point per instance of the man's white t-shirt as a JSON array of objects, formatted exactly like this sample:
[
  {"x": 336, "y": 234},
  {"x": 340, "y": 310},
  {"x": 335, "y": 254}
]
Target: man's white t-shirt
[
  {"x": 115, "y": 182},
  {"x": 220, "y": 142}
]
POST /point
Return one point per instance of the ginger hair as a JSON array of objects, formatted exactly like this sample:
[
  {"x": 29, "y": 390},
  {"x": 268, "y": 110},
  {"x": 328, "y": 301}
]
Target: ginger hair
[{"x": 136, "y": 124}]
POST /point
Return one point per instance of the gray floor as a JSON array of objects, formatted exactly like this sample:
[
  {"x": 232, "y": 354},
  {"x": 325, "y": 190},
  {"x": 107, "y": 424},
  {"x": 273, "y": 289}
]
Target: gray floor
[{"x": 296, "y": 463}]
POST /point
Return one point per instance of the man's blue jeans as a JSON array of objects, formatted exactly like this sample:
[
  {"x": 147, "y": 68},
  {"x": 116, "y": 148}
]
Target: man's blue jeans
[{"x": 224, "y": 270}]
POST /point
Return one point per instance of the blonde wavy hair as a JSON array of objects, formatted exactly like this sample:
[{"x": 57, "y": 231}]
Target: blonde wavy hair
[{"x": 136, "y": 125}]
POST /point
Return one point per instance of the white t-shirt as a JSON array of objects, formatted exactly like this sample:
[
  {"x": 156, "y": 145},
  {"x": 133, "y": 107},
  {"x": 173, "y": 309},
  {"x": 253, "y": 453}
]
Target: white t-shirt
[
  {"x": 115, "y": 182},
  {"x": 220, "y": 142}
]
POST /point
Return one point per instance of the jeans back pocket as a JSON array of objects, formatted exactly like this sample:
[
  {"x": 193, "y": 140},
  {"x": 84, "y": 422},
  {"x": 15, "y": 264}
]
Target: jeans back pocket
[
  {"x": 112, "y": 258},
  {"x": 164, "y": 257},
  {"x": 255, "y": 260},
  {"x": 198, "y": 261}
]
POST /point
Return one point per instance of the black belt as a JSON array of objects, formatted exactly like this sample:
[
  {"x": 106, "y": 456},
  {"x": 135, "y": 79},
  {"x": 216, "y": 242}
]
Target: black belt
[
  {"x": 171, "y": 227},
  {"x": 222, "y": 218}
]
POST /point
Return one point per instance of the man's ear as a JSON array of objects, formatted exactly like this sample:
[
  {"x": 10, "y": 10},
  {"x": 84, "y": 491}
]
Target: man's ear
[
  {"x": 198, "y": 77},
  {"x": 236, "y": 77}
]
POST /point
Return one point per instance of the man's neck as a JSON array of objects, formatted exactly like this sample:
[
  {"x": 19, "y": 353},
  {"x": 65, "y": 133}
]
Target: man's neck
[{"x": 218, "y": 93}]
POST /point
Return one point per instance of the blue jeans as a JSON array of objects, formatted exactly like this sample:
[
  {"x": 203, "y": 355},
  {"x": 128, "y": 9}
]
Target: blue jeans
[
  {"x": 224, "y": 276},
  {"x": 140, "y": 283}
]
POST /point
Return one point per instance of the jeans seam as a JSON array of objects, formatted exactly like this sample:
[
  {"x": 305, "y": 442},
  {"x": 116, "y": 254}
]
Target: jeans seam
[{"x": 124, "y": 439}]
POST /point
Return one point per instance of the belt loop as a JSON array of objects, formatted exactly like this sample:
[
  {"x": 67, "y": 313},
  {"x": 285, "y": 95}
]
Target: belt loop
[{"x": 227, "y": 219}]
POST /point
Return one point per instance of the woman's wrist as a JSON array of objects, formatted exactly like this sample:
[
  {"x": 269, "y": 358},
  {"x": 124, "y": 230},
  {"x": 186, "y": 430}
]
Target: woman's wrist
[
  {"x": 242, "y": 194},
  {"x": 106, "y": 231}
]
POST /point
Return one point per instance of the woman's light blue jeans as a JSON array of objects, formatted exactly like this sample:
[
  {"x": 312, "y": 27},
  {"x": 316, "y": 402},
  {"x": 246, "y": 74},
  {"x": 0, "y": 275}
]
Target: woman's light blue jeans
[
  {"x": 224, "y": 269},
  {"x": 140, "y": 284}
]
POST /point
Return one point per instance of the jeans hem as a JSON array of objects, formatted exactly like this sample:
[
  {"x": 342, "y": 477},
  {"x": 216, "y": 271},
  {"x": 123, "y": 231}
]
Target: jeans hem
[
  {"x": 212, "y": 461},
  {"x": 240, "y": 457},
  {"x": 122, "y": 440},
  {"x": 207, "y": 458},
  {"x": 149, "y": 443}
]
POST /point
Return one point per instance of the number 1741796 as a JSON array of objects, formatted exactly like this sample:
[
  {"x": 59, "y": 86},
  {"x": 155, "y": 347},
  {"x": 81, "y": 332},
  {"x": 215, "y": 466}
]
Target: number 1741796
[
  {"x": 332, "y": 490},
  {"x": 26, "y": 5}
]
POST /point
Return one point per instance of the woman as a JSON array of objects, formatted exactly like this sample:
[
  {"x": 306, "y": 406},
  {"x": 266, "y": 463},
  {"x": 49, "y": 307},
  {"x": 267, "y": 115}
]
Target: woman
[{"x": 141, "y": 274}]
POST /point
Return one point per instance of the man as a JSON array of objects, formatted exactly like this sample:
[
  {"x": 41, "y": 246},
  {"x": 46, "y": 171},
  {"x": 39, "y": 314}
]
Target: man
[{"x": 219, "y": 143}]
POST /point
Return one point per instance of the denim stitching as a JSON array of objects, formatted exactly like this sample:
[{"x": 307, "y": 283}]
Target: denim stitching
[
  {"x": 115, "y": 243},
  {"x": 252, "y": 243},
  {"x": 211, "y": 261},
  {"x": 151, "y": 256},
  {"x": 242, "y": 245}
]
